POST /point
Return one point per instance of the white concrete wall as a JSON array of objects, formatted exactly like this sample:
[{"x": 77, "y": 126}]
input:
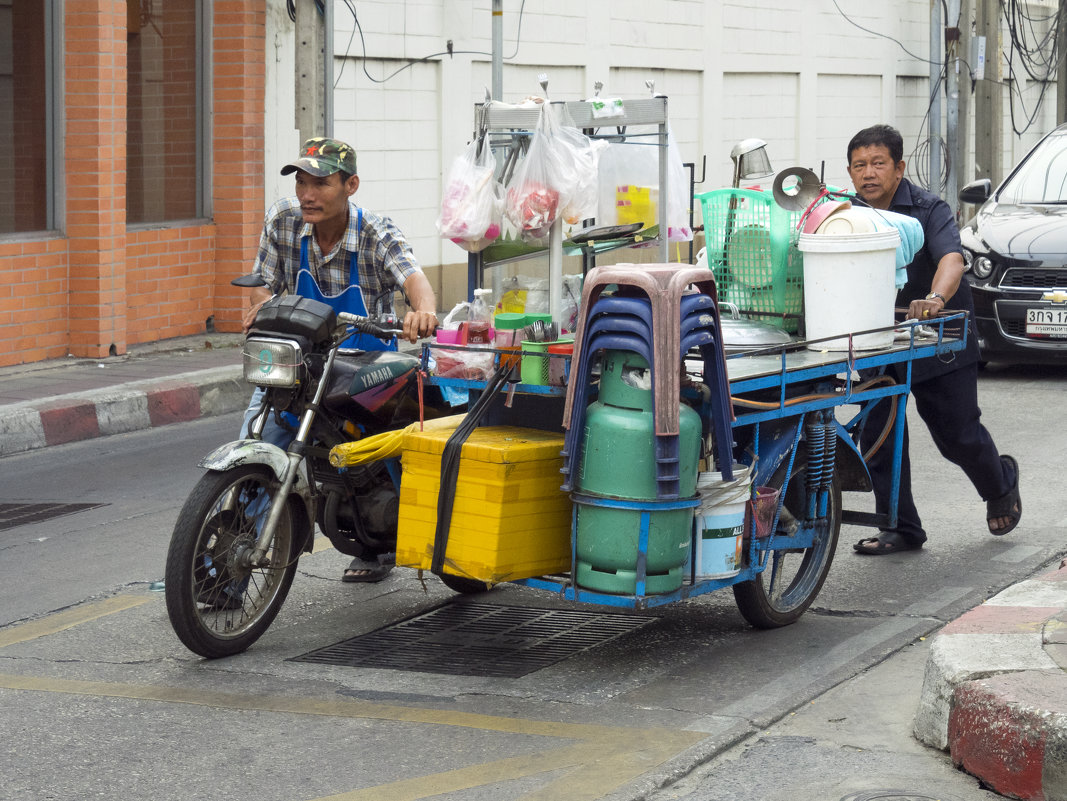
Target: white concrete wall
[{"x": 797, "y": 74}]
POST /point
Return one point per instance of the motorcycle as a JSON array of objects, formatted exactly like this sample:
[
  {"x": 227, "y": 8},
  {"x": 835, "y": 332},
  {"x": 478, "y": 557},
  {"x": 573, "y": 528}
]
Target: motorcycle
[{"x": 235, "y": 546}]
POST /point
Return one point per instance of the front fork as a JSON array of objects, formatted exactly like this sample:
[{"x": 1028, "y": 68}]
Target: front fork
[{"x": 257, "y": 556}]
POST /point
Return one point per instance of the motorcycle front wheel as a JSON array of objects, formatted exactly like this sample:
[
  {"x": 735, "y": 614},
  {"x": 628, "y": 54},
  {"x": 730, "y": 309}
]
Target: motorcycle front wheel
[{"x": 216, "y": 606}]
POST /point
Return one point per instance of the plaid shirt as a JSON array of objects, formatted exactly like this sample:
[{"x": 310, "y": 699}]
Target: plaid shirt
[{"x": 384, "y": 257}]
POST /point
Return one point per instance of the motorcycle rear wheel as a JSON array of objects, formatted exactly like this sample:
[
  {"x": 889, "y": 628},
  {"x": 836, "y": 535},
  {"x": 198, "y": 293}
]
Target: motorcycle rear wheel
[
  {"x": 216, "y": 607},
  {"x": 780, "y": 594}
]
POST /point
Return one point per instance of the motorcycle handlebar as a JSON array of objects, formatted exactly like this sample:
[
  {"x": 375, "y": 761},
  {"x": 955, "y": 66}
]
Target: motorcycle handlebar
[{"x": 383, "y": 326}]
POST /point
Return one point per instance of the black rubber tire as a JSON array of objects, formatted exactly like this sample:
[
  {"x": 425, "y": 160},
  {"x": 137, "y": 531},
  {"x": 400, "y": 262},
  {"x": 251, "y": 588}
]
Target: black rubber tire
[
  {"x": 466, "y": 586},
  {"x": 215, "y": 608},
  {"x": 777, "y": 597}
]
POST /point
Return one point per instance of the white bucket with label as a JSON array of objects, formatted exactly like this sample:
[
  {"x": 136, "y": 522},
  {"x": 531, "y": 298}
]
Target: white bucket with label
[
  {"x": 719, "y": 523},
  {"x": 849, "y": 286}
]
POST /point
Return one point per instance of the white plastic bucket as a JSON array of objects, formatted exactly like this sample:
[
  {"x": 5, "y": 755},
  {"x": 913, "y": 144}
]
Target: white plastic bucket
[
  {"x": 849, "y": 286},
  {"x": 719, "y": 523}
]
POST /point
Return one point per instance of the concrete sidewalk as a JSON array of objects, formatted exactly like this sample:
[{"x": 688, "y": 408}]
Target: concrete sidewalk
[
  {"x": 66, "y": 400},
  {"x": 995, "y": 689}
]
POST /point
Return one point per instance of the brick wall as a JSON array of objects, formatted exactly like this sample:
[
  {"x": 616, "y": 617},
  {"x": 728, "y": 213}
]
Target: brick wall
[{"x": 94, "y": 287}]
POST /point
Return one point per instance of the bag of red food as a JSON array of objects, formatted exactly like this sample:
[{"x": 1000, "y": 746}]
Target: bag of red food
[
  {"x": 471, "y": 205},
  {"x": 533, "y": 198}
]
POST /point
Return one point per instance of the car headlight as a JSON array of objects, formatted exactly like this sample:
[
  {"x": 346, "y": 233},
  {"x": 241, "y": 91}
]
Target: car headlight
[
  {"x": 982, "y": 267},
  {"x": 272, "y": 362}
]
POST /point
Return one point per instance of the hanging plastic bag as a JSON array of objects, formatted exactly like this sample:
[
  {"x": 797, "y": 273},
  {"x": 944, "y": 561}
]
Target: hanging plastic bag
[
  {"x": 629, "y": 188},
  {"x": 472, "y": 202},
  {"x": 533, "y": 196},
  {"x": 679, "y": 198},
  {"x": 580, "y": 157}
]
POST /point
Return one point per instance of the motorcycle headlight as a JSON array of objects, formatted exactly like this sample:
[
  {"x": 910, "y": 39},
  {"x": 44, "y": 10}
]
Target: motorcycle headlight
[{"x": 272, "y": 362}]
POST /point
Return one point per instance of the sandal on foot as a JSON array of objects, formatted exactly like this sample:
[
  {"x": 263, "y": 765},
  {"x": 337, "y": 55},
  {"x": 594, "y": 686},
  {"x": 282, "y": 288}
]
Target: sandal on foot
[
  {"x": 1008, "y": 505},
  {"x": 886, "y": 542},
  {"x": 367, "y": 572}
]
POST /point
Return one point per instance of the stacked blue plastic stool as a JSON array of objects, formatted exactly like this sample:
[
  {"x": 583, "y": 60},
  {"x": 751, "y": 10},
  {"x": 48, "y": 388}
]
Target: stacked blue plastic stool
[{"x": 626, "y": 321}]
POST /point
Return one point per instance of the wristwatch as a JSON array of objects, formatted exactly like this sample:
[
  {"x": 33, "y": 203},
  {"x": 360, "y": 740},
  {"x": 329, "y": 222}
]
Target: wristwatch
[{"x": 937, "y": 295}]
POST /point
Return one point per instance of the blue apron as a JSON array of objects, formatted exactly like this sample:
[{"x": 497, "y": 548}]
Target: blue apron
[{"x": 350, "y": 300}]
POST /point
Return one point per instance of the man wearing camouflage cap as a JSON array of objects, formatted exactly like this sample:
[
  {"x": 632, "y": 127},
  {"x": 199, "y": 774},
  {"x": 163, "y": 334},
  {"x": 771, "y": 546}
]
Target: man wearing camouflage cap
[{"x": 321, "y": 244}]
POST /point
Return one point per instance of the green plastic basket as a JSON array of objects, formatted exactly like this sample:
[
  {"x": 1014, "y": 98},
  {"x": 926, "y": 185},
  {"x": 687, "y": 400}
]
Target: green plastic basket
[{"x": 750, "y": 248}]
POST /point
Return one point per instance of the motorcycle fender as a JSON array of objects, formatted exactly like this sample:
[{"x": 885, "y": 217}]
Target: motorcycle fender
[
  {"x": 849, "y": 464},
  {"x": 254, "y": 451}
]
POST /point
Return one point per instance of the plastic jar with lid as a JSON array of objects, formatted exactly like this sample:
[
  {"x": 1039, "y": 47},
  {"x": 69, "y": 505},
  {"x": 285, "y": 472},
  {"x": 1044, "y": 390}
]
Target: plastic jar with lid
[{"x": 508, "y": 335}]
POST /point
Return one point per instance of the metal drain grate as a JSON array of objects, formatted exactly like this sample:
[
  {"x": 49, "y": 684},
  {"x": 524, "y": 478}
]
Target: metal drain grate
[
  {"x": 472, "y": 639},
  {"x": 22, "y": 514}
]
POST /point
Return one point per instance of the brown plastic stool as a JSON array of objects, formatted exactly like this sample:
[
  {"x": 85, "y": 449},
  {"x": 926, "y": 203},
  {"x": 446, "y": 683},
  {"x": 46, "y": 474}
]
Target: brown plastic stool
[{"x": 664, "y": 284}]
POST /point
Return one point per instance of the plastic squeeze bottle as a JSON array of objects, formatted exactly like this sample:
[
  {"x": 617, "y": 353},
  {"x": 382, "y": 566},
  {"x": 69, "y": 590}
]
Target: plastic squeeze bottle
[{"x": 478, "y": 319}]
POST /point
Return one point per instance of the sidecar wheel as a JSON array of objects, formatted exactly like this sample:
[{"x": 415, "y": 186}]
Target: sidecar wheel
[
  {"x": 217, "y": 607},
  {"x": 792, "y": 579}
]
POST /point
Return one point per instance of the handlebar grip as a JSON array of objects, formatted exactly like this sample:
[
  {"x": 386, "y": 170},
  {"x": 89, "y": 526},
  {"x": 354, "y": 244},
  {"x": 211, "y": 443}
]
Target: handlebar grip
[{"x": 384, "y": 326}]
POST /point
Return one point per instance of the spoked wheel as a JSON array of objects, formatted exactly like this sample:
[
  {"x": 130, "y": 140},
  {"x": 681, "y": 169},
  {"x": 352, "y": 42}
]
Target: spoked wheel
[
  {"x": 792, "y": 579},
  {"x": 217, "y": 605},
  {"x": 466, "y": 586}
]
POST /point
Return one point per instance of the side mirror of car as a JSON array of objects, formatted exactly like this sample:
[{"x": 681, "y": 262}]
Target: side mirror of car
[{"x": 976, "y": 192}]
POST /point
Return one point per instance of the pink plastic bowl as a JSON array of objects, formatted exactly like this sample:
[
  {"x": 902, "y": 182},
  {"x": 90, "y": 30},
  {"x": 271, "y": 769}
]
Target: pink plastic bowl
[{"x": 819, "y": 214}]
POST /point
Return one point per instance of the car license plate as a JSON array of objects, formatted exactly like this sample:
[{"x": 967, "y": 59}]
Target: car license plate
[{"x": 1047, "y": 322}]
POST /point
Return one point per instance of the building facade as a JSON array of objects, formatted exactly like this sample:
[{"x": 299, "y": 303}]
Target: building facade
[{"x": 145, "y": 136}]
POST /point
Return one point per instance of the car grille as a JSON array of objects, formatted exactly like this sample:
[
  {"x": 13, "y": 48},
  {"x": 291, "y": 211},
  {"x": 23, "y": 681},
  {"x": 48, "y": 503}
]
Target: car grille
[
  {"x": 1013, "y": 328},
  {"x": 1030, "y": 278}
]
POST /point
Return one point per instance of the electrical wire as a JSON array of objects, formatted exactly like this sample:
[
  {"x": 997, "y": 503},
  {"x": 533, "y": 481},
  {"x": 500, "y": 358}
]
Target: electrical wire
[
  {"x": 1038, "y": 53},
  {"x": 350, "y": 4},
  {"x": 882, "y": 35}
]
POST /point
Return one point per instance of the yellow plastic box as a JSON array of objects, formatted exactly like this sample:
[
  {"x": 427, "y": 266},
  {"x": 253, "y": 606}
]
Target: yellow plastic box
[{"x": 510, "y": 519}]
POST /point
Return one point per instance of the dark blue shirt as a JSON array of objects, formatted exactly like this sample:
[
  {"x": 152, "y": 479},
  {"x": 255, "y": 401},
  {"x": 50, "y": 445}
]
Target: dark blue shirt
[{"x": 942, "y": 236}]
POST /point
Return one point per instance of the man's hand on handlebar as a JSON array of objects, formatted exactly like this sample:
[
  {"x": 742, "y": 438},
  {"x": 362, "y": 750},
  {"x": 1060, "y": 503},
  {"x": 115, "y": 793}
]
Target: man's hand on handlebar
[
  {"x": 257, "y": 296},
  {"x": 419, "y": 324}
]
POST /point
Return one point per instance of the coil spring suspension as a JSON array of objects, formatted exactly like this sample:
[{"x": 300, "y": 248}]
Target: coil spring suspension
[
  {"x": 821, "y": 436},
  {"x": 815, "y": 436}
]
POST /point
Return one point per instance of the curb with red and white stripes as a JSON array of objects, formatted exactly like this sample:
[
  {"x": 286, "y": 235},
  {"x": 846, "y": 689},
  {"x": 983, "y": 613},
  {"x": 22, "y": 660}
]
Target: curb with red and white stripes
[
  {"x": 995, "y": 690},
  {"x": 131, "y": 407}
]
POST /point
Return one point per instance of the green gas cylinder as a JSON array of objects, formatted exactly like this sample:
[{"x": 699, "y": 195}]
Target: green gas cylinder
[{"x": 619, "y": 461}]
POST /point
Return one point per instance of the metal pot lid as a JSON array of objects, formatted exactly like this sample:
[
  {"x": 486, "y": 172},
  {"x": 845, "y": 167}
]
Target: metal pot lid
[{"x": 737, "y": 331}]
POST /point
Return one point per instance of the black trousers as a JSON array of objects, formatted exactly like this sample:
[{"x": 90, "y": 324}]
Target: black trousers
[{"x": 948, "y": 404}]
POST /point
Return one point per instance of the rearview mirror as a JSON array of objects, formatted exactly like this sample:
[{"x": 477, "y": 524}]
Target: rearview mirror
[
  {"x": 976, "y": 192},
  {"x": 252, "y": 279}
]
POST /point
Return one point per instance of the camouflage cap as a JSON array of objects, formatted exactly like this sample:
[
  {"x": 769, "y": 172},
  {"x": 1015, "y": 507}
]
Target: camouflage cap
[{"x": 321, "y": 157}]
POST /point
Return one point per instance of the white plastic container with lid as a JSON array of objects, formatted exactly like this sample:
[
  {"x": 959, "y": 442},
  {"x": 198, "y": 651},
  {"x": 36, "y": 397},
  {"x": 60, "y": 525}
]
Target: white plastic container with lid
[{"x": 849, "y": 286}]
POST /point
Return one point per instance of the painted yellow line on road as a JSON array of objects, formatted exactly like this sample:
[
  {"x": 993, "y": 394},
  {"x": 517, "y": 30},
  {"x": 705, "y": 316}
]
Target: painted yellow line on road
[
  {"x": 70, "y": 618},
  {"x": 605, "y": 757},
  {"x": 329, "y": 707},
  {"x": 467, "y": 778}
]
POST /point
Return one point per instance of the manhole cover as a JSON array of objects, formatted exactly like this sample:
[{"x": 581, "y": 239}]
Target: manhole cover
[
  {"x": 478, "y": 640},
  {"x": 21, "y": 514}
]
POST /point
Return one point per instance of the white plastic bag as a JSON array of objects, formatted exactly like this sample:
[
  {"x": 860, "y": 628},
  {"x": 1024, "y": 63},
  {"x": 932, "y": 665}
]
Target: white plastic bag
[
  {"x": 580, "y": 156},
  {"x": 533, "y": 199},
  {"x": 629, "y": 188},
  {"x": 472, "y": 203}
]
